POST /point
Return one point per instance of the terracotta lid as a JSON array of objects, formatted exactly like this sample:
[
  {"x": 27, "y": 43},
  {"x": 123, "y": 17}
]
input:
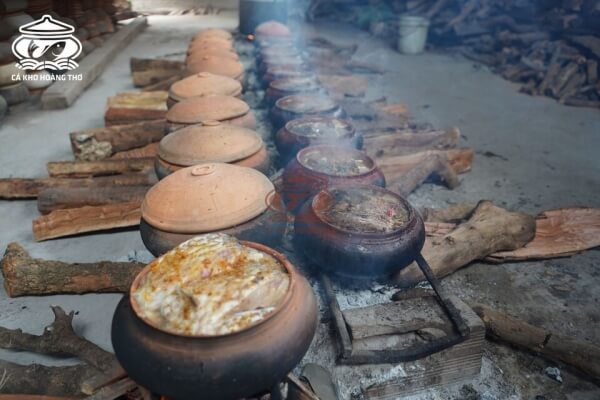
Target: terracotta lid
[
  {"x": 197, "y": 109},
  {"x": 305, "y": 104},
  {"x": 197, "y": 53},
  {"x": 272, "y": 28},
  {"x": 300, "y": 83},
  {"x": 209, "y": 142},
  {"x": 211, "y": 41},
  {"x": 206, "y": 197},
  {"x": 214, "y": 32},
  {"x": 204, "y": 84},
  {"x": 216, "y": 65}
]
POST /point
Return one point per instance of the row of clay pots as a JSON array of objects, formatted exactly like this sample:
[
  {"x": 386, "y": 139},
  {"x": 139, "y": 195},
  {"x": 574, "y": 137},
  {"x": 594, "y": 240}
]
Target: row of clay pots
[{"x": 212, "y": 51}]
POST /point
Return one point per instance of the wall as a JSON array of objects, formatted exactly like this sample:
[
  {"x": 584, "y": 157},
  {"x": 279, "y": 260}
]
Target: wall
[{"x": 150, "y": 5}]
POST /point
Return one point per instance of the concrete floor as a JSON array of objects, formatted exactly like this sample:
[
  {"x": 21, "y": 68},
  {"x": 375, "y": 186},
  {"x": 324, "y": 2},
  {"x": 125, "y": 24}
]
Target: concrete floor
[{"x": 547, "y": 158}]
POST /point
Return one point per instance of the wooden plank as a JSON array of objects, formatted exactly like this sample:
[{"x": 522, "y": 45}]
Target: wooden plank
[
  {"x": 131, "y": 107},
  {"x": 337, "y": 317},
  {"x": 61, "y": 94},
  {"x": 84, "y": 169}
]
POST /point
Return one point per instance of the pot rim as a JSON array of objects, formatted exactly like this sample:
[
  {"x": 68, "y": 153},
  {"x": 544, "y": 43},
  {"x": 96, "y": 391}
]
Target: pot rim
[
  {"x": 282, "y": 259},
  {"x": 411, "y": 211},
  {"x": 333, "y": 106},
  {"x": 336, "y": 148},
  {"x": 289, "y": 126}
]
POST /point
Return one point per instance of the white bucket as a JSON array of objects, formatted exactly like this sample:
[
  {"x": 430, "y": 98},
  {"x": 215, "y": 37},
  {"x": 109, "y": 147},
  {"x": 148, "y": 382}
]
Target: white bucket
[{"x": 412, "y": 34}]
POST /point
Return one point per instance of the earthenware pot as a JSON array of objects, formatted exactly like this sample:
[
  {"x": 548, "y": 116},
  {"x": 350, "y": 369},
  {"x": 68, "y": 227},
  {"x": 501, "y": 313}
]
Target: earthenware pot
[
  {"x": 211, "y": 142},
  {"x": 284, "y": 71},
  {"x": 256, "y": 359},
  {"x": 195, "y": 110},
  {"x": 291, "y": 61},
  {"x": 289, "y": 86},
  {"x": 203, "y": 84},
  {"x": 213, "y": 197},
  {"x": 338, "y": 241},
  {"x": 197, "y": 54},
  {"x": 213, "y": 33},
  {"x": 302, "y": 106},
  {"x": 318, "y": 167},
  {"x": 216, "y": 65}
]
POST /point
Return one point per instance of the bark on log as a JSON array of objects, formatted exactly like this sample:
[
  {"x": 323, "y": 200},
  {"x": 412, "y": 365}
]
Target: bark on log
[
  {"x": 26, "y": 276},
  {"x": 58, "y": 199},
  {"x": 74, "y": 221},
  {"x": 99, "y": 143},
  {"x": 430, "y": 165},
  {"x": 583, "y": 356},
  {"x": 26, "y": 188},
  {"x": 488, "y": 230},
  {"x": 85, "y": 169}
]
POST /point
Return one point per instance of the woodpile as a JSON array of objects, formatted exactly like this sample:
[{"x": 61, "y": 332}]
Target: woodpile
[{"x": 552, "y": 48}]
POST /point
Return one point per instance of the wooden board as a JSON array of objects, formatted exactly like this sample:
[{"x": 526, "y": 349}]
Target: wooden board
[
  {"x": 61, "y": 94},
  {"x": 131, "y": 107}
]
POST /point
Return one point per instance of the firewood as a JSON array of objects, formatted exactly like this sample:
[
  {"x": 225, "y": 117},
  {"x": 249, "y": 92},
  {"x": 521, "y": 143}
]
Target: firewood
[
  {"x": 572, "y": 87},
  {"x": 455, "y": 213},
  {"x": 73, "y": 221},
  {"x": 406, "y": 143},
  {"x": 564, "y": 76},
  {"x": 573, "y": 101},
  {"x": 592, "y": 71},
  {"x": 428, "y": 166},
  {"x": 149, "y": 150},
  {"x": 164, "y": 84},
  {"x": 98, "y": 143},
  {"x": 145, "y": 64},
  {"x": 62, "y": 198},
  {"x": 393, "y": 167},
  {"x": 84, "y": 169},
  {"x": 147, "y": 72},
  {"x": 488, "y": 230},
  {"x": 149, "y": 77},
  {"x": 133, "y": 107},
  {"x": 549, "y": 78},
  {"x": 26, "y": 276},
  {"x": 29, "y": 188},
  {"x": 548, "y": 344},
  {"x": 114, "y": 390}
]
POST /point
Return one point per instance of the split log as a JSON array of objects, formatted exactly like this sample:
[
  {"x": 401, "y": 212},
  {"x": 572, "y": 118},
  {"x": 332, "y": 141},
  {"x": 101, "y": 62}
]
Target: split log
[
  {"x": 27, "y": 276},
  {"x": 100, "y": 143},
  {"x": 73, "y": 221},
  {"x": 559, "y": 348},
  {"x": 29, "y": 188},
  {"x": 344, "y": 85},
  {"x": 133, "y": 107},
  {"x": 431, "y": 165},
  {"x": 394, "y": 167},
  {"x": 147, "y": 72},
  {"x": 145, "y": 64},
  {"x": 63, "y": 198},
  {"x": 489, "y": 229},
  {"x": 406, "y": 143},
  {"x": 150, "y": 77},
  {"x": 84, "y": 169},
  {"x": 438, "y": 228},
  {"x": 149, "y": 150},
  {"x": 164, "y": 84},
  {"x": 452, "y": 214},
  {"x": 114, "y": 390}
]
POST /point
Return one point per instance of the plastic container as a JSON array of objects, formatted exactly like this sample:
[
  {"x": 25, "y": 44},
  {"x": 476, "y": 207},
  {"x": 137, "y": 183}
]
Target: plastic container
[{"x": 412, "y": 34}]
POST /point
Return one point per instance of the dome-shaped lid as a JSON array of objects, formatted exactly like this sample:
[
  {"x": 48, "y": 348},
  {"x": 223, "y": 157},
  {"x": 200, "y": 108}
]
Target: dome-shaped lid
[
  {"x": 197, "y": 53},
  {"x": 204, "y": 84},
  {"x": 213, "y": 32},
  {"x": 197, "y": 109},
  {"x": 296, "y": 84},
  {"x": 216, "y": 65},
  {"x": 305, "y": 104},
  {"x": 206, "y": 197},
  {"x": 320, "y": 127},
  {"x": 209, "y": 142},
  {"x": 272, "y": 28},
  {"x": 211, "y": 41}
]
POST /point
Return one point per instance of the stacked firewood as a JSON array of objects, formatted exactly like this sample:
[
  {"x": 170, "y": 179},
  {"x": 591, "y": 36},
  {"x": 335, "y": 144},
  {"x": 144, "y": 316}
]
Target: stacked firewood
[{"x": 551, "y": 47}]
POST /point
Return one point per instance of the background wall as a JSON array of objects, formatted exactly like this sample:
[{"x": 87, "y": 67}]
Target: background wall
[{"x": 149, "y": 5}]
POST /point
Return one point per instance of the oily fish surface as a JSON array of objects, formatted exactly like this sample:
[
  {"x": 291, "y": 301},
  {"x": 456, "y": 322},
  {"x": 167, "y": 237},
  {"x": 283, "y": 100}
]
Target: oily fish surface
[{"x": 210, "y": 285}]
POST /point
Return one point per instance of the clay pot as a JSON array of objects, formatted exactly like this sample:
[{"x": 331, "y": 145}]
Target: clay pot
[
  {"x": 216, "y": 65},
  {"x": 213, "y": 43},
  {"x": 211, "y": 142},
  {"x": 300, "y": 133},
  {"x": 284, "y": 71},
  {"x": 203, "y": 84},
  {"x": 187, "y": 367},
  {"x": 213, "y": 33},
  {"x": 226, "y": 109},
  {"x": 275, "y": 51},
  {"x": 338, "y": 244},
  {"x": 291, "y": 61},
  {"x": 318, "y": 167},
  {"x": 272, "y": 28},
  {"x": 197, "y": 54},
  {"x": 288, "y": 86},
  {"x": 213, "y": 197},
  {"x": 302, "y": 106}
]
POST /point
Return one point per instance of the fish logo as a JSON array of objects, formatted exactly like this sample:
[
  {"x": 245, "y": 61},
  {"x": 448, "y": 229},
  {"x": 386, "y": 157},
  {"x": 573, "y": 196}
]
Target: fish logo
[{"x": 47, "y": 43}]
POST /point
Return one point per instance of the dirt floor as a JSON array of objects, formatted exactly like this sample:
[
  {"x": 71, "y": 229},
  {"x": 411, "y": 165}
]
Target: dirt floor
[{"x": 532, "y": 154}]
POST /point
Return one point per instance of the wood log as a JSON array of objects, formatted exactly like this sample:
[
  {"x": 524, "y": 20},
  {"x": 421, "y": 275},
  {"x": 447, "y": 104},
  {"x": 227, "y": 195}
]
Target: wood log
[
  {"x": 393, "y": 167},
  {"x": 592, "y": 71},
  {"x": 84, "y": 169},
  {"x": 114, "y": 390},
  {"x": 27, "y": 276},
  {"x": 164, "y": 84},
  {"x": 563, "y": 77},
  {"x": 73, "y": 221},
  {"x": 406, "y": 143},
  {"x": 146, "y": 72},
  {"x": 99, "y": 143},
  {"x": 453, "y": 214},
  {"x": 63, "y": 198},
  {"x": 133, "y": 107},
  {"x": 149, "y": 150},
  {"x": 145, "y": 64},
  {"x": 551, "y": 345},
  {"x": 489, "y": 229},
  {"x": 430, "y": 165},
  {"x": 29, "y": 188}
]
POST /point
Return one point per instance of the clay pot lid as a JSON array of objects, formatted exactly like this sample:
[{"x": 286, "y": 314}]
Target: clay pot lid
[
  {"x": 206, "y": 197},
  {"x": 217, "y": 65},
  {"x": 212, "y": 41},
  {"x": 214, "y": 32},
  {"x": 197, "y": 109},
  {"x": 198, "y": 53},
  {"x": 305, "y": 104},
  {"x": 209, "y": 142},
  {"x": 204, "y": 84},
  {"x": 362, "y": 209},
  {"x": 295, "y": 84},
  {"x": 320, "y": 127},
  {"x": 272, "y": 28},
  {"x": 335, "y": 161}
]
